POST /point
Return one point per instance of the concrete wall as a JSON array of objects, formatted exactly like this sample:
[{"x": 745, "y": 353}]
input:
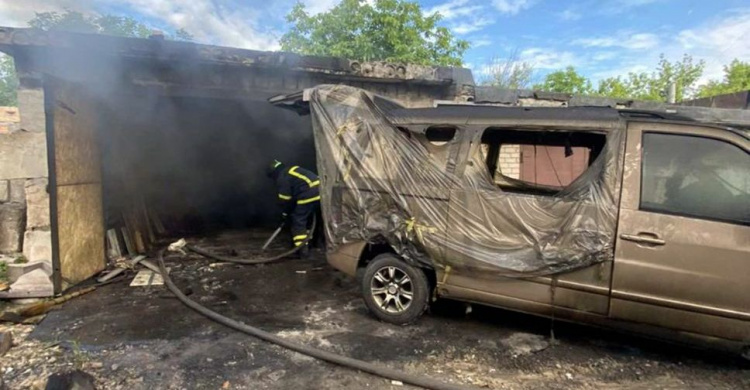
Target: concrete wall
[
  {"x": 23, "y": 178},
  {"x": 24, "y": 194}
]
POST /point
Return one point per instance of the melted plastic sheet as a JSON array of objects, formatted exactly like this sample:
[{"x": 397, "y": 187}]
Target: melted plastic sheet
[{"x": 382, "y": 183}]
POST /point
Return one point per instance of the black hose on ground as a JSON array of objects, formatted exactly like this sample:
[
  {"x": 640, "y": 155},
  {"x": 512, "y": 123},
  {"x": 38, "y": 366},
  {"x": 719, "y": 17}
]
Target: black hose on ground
[
  {"x": 260, "y": 260},
  {"x": 385, "y": 372}
]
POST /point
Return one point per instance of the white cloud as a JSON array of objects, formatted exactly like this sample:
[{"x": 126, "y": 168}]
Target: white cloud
[
  {"x": 718, "y": 42},
  {"x": 17, "y": 13},
  {"x": 207, "y": 20},
  {"x": 479, "y": 42},
  {"x": 569, "y": 15},
  {"x": 210, "y": 22},
  {"x": 638, "y": 41},
  {"x": 470, "y": 26},
  {"x": 614, "y": 7},
  {"x": 548, "y": 58},
  {"x": 317, "y": 6},
  {"x": 464, "y": 16},
  {"x": 604, "y": 56},
  {"x": 454, "y": 9},
  {"x": 512, "y": 7},
  {"x": 621, "y": 70}
]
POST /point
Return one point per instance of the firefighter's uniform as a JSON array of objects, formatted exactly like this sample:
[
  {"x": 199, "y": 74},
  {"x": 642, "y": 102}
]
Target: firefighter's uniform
[{"x": 298, "y": 195}]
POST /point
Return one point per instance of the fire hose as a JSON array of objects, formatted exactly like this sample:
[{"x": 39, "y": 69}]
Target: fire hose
[
  {"x": 385, "y": 372},
  {"x": 259, "y": 260}
]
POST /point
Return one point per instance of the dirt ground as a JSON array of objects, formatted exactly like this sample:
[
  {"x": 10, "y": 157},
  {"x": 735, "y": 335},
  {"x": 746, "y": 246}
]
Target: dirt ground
[{"x": 143, "y": 338}]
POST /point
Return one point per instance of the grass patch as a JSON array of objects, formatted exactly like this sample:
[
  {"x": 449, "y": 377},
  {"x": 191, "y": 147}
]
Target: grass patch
[{"x": 21, "y": 259}]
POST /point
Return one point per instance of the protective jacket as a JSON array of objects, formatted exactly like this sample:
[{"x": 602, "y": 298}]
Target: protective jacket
[
  {"x": 299, "y": 196},
  {"x": 297, "y": 186}
]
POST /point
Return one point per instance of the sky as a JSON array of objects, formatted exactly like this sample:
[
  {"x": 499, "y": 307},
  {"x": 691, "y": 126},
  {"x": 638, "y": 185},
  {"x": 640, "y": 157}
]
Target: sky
[{"x": 600, "y": 38}]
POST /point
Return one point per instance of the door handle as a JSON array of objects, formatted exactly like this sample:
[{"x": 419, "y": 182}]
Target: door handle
[{"x": 642, "y": 239}]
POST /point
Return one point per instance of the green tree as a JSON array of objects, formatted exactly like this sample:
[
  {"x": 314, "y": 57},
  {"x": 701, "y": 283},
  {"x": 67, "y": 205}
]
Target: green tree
[
  {"x": 684, "y": 73},
  {"x": 389, "y": 30},
  {"x": 123, "y": 26},
  {"x": 509, "y": 73},
  {"x": 8, "y": 81},
  {"x": 613, "y": 87},
  {"x": 655, "y": 85},
  {"x": 736, "y": 79},
  {"x": 566, "y": 81}
]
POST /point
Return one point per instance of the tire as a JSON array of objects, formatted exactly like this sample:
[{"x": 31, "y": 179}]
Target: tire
[{"x": 394, "y": 291}]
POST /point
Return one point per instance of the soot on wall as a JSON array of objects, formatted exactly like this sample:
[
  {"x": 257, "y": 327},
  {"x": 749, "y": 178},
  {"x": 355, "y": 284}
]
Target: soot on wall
[{"x": 199, "y": 163}]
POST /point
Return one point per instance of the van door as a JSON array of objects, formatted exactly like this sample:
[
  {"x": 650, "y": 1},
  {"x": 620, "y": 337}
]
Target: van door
[
  {"x": 682, "y": 258},
  {"x": 583, "y": 291}
]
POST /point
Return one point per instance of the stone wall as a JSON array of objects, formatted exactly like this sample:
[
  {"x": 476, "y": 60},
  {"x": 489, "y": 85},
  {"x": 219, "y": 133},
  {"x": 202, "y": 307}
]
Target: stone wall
[
  {"x": 24, "y": 193},
  {"x": 12, "y": 193}
]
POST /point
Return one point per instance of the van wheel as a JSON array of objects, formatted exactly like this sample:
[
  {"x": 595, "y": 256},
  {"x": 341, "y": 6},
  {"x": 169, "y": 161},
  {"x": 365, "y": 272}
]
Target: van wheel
[
  {"x": 394, "y": 291},
  {"x": 746, "y": 353}
]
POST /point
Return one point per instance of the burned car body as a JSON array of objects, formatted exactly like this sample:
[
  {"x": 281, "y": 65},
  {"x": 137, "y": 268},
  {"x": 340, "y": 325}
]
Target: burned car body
[{"x": 651, "y": 231}]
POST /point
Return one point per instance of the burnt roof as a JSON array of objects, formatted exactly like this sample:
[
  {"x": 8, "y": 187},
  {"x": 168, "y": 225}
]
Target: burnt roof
[{"x": 15, "y": 41}]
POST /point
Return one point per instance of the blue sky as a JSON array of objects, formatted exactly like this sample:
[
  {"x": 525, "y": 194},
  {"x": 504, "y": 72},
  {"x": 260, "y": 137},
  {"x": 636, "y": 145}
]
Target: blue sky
[{"x": 600, "y": 38}]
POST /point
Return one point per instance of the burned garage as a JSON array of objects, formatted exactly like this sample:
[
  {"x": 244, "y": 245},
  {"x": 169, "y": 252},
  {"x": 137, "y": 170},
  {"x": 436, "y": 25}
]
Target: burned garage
[{"x": 134, "y": 137}]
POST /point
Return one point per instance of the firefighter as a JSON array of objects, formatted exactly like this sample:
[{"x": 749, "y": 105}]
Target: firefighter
[{"x": 299, "y": 199}]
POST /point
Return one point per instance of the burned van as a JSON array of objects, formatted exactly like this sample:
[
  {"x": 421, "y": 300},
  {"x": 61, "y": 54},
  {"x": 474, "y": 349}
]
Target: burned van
[{"x": 628, "y": 219}]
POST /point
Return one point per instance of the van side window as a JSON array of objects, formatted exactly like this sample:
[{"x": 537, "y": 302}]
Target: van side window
[
  {"x": 438, "y": 135},
  {"x": 539, "y": 162},
  {"x": 696, "y": 177}
]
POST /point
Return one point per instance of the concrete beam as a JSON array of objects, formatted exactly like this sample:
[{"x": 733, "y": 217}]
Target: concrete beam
[{"x": 164, "y": 52}]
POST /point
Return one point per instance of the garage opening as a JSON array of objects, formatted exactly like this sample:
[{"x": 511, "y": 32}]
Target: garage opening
[{"x": 150, "y": 164}]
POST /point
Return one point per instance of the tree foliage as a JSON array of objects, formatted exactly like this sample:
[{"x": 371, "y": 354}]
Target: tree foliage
[
  {"x": 509, "y": 73},
  {"x": 8, "y": 81},
  {"x": 685, "y": 73},
  {"x": 566, "y": 81},
  {"x": 389, "y": 30},
  {"x": 736, "y": 79},
  {"x": 123, "y": 26},
  {"x": 613, "y": 87},
  {"x": 654, "y": 86}
]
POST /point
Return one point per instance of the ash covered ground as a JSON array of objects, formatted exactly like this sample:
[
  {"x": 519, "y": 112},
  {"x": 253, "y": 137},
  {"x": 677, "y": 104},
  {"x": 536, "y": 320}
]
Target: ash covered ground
[{"x": 143, "y": 338}]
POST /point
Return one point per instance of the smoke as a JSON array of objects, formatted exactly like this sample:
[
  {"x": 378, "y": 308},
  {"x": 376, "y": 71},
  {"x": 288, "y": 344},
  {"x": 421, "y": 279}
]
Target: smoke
[
  {"x": 201, "y": 161},
  {"x": 208, "y": 21},
  {"x": 17, "y": 13},
  {"x": 194, "y": 155}
]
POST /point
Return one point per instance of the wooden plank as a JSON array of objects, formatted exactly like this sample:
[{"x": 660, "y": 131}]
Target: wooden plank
[
  {"x": 156, "y": 220},
  {"x": 77, "y": 158},
  {"x": 135, "y": 235},
  {"x": 81, "y": 232},
  {"x": 128, "y": 240},
  {"x": 79, "y": 220},
  {"x": 147, "y": 223},
  {"x": 113, "y": 244}
]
